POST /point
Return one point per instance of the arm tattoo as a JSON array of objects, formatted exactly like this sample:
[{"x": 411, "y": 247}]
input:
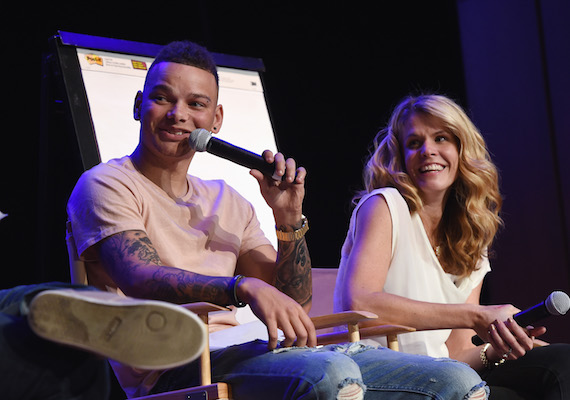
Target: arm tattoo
[
  {"x": 293, "y": 275},
  {"x": 180, "y": 286},
  {"x": 128, "y": 254},
  {"x": 119, "y": 251}
]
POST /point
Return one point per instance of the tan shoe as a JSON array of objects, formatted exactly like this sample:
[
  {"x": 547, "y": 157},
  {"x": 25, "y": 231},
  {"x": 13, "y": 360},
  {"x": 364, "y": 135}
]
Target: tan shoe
[{"x": 144, "y": 334}]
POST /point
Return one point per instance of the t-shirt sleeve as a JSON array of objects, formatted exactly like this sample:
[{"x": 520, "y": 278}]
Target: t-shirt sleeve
[
  {"x": 102, "y": 205},
  {"x": 253, "y": 235}
]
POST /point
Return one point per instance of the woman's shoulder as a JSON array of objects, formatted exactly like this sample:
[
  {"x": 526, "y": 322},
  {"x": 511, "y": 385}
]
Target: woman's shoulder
[{"x": 385, "y": 195}]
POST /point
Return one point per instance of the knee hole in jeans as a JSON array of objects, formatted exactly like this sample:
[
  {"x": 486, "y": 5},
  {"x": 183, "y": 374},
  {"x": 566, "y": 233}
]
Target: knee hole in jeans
[
  {"x": 479, "y": 394},
  {"x": 350, "y": 392}
]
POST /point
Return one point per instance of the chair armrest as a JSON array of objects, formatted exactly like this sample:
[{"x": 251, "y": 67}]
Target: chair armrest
[
  {"x": 320, "y": 322},
  {"x": 390, "y": 331},
  {"x": 203, "y": 307},
  {"x": 348, "y": 318},
  {"x": 341, "y": 318},
  {"x": 382, "y": 330}
]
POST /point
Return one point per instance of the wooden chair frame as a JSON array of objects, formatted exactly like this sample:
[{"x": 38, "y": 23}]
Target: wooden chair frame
[{"x": 221, "y": 390}]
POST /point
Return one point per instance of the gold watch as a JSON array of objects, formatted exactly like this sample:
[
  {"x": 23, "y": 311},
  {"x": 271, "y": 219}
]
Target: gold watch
[{"x": 295, "y": 235}]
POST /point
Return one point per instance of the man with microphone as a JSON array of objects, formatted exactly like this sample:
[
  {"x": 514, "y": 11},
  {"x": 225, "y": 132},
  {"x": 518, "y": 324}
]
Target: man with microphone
[{"x": 146, "y": 228}]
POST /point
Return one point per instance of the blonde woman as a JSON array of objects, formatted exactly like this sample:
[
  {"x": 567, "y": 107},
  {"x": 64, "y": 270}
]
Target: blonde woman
[{"x": 417, "y": 247}]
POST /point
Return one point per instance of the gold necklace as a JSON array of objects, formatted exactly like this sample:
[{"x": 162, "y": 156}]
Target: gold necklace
[{"x": 437, "y": 251}]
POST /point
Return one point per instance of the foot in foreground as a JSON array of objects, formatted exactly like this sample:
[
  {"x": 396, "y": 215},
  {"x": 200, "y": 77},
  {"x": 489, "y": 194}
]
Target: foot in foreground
[{"x": 144, "y": 334}]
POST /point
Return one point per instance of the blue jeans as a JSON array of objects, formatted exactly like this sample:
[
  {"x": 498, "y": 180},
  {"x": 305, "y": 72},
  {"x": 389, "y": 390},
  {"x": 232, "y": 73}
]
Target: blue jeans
[
  {"x": 307, "y": 373},
  {"x": 33, "y": 368}
]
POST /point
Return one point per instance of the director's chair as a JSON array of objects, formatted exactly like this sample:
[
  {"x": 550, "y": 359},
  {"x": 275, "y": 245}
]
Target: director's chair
[{"x": 221, "y": 390}]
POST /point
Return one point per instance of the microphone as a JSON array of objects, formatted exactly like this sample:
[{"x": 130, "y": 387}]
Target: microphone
[
  {"x": 202, "y": 140},
  {"x": 557, "y": 303}
]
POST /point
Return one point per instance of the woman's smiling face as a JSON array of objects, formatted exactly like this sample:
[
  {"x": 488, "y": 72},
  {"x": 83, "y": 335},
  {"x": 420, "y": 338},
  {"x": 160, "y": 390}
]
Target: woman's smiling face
[{"x": 431, "y": 155}]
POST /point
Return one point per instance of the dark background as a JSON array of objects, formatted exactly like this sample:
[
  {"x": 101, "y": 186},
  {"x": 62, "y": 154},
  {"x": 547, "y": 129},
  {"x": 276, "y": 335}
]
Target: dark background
[{"x": 332, "y": 76}]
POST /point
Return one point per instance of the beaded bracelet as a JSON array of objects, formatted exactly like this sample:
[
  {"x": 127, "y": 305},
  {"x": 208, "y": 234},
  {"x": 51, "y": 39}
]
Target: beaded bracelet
[
  {"x": 232, "y": 291},
  {"x": 486, "y": 363}
]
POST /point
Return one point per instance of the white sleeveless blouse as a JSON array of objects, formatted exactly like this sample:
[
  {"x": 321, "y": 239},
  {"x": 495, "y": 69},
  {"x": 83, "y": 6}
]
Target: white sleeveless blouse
[{"x": 415, "y": 272}]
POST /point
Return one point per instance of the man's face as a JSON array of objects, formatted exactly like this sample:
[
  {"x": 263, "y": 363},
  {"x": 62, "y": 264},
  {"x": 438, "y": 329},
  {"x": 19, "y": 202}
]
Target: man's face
[{"x": 176, "y": 100}]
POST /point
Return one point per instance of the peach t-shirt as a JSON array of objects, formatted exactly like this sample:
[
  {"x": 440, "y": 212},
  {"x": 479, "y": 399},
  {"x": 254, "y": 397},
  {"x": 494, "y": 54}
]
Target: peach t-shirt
[{"x": 204, "y": 231}]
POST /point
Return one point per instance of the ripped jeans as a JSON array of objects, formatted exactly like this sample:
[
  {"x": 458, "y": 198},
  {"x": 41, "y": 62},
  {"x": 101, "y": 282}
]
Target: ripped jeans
[{"x": 348, "y": 371}]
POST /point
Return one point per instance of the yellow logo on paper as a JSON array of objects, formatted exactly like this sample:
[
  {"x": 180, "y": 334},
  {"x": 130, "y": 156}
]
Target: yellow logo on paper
[
  {"x": 94, "y": 59},
  {"x": 139, "y": 64}
]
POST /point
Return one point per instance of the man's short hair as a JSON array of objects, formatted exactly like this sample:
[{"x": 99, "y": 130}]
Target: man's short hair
[{"x": 187, "y": 53}]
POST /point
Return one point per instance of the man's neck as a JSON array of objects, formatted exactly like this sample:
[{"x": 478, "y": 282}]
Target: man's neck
[{"x": 169, "y": 175}]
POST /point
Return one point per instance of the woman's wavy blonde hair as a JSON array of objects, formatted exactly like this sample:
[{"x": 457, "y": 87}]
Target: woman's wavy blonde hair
[{"x": 471, "y": 215}]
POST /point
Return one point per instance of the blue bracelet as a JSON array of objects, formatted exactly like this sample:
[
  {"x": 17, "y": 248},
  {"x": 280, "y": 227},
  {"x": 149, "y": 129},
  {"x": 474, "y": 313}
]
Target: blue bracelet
[{"x": 232, "y": 291}]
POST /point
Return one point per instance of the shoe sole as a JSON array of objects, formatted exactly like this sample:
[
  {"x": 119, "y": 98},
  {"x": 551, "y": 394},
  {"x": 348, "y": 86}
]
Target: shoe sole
[{"x": 144, "y": 334}]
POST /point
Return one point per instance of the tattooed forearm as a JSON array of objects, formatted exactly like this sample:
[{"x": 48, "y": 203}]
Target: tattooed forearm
[
  {"x": 136, "y": 267},
  {"x": 294, "y": 276},
  {"x": 180, "y": 286}
]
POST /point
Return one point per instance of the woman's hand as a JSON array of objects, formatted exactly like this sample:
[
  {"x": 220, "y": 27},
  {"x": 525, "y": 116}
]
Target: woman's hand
[
  {"x": 510, "y": 341},
  {"x": 487, "y": 315}
]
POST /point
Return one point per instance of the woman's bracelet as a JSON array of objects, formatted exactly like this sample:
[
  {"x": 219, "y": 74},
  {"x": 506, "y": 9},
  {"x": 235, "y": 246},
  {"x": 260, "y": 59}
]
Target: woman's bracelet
[{"x": 486, "y": 363}]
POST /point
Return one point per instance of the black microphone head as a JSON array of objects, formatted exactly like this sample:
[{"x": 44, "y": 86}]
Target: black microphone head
[
  {"x": 199, "y": 139},
  {"x": 557, "y": 303}
]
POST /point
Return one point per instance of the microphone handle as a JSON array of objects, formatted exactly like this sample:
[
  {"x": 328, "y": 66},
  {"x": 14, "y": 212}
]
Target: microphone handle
[
  {"x": 523, "y": 318},
  {"x": 240, "y": 156},
  {"x": 531, "y": 315},
  {"x": 476, "y": 340}
]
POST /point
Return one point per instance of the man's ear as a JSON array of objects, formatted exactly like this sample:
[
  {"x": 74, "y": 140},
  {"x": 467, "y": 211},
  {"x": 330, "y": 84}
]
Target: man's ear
[
  {"x": 137, "y": 106},
  {"x": 218, "y": 119}
]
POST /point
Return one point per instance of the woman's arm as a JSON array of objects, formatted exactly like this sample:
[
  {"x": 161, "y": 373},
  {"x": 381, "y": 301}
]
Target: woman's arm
[
  {"x": 459, "y": 342},
  {"x": 367, "y": 269}
]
